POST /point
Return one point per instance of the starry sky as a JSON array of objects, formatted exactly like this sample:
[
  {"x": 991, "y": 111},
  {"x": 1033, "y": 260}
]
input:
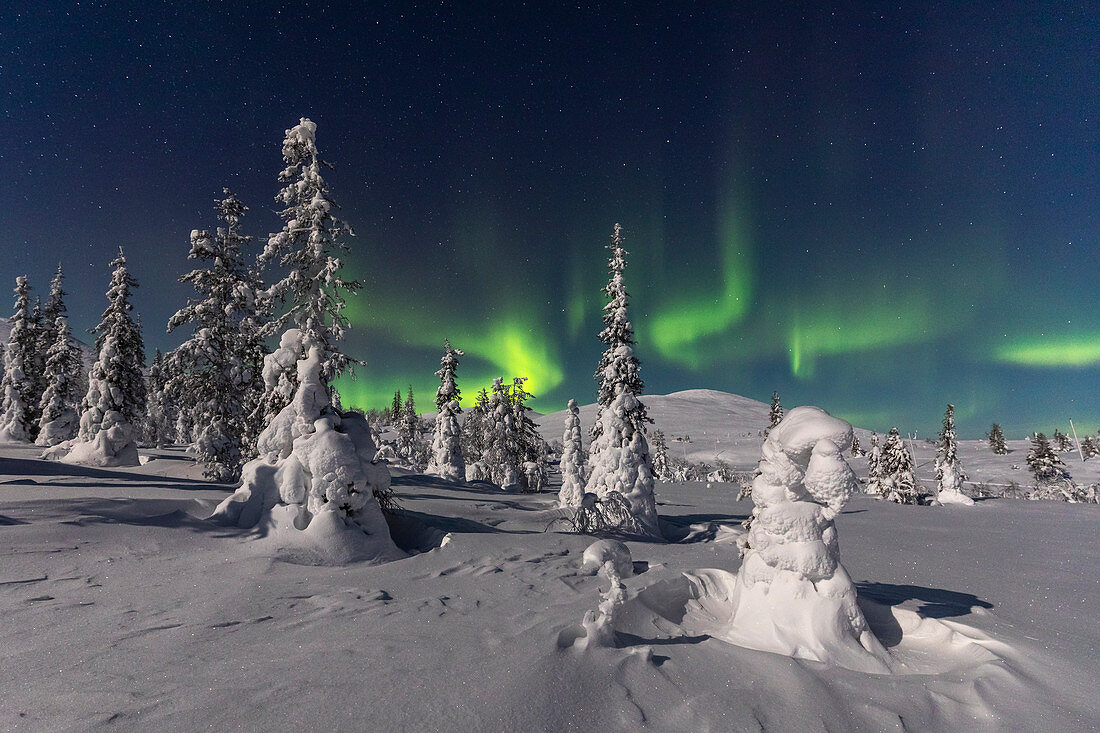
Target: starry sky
[{"x": 876, "y": 208}]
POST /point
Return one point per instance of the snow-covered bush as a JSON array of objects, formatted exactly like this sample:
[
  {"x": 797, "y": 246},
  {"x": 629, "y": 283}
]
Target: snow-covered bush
[
  {"x": 949, "y": 471},
  {"x": 313, "y": 485},
  {"x": 791, "y": 595},
  {"x": 572, "y": 460}
]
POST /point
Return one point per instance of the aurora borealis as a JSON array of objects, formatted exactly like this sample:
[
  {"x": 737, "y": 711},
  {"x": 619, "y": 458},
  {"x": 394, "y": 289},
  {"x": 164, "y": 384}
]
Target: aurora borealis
[{"x": 874, "y": 209}]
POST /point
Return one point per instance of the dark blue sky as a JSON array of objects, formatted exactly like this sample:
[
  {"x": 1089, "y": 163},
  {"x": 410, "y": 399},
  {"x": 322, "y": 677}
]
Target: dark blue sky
[{"x": 875, "y": 208}]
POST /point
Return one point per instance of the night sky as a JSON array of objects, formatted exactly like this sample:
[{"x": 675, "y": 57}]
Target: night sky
[{"x": 875, "y": 208}]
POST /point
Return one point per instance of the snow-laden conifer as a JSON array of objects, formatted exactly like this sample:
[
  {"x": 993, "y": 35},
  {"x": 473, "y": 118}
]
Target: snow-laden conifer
[
  {"x": 502, "y": 456},
  {"x": 474, "y": 436},
  {"x": 447, "y": 461},
  {"x": 396, "y": 408},
  {"x": 448, "y": 389},
  {"x": 1045, "y": 465},
  {"x": 60, "y": 420},
  {"x": 159, "y": 425},
  {"x": 223, "y": 354},
  {"x": 618, "y": 368},
  {"x": 949, "y": 471},
  {"x": 18, "y": 385},
  {"x": 1061, "y": 442},
  {"x": 113, "y": 409},
  {"x": 996, "y": 438},
  {"x": 408, "y": 431},
  {"x": 662, "y": 465},
  {"x": 876, "y": 473},
  {"x": 619, "y": 459},
  {"x": 309, "y": 248},
  {"x": 775, "y": 414},
  {"x": 572, "y": 459},
  {"x": 899, "y": 484}
]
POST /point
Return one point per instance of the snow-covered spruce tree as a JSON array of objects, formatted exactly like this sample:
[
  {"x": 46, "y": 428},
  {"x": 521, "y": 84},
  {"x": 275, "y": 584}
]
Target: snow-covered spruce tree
[
  {"x": 1045, "y": 465},
  {"x": 502, "y": 457},
  {"x": 619, "y": 459},
  {"x": 572, "y": 460},
  {"x": 474, "y": 435},
  {"x": 18, "y": 385},
  {"x": 857, "y": 449},
  {"x": 532, "y": 447},
  {"x": 949, "y": 471},
  {"x": 662, "y": 465},
  {"x": 1062, "y": 442},
  {"x": 791, "y": 595},
  {"x": 1090, "y": 447},
  {"x": 996, "y": 438},
  {"x": 448, "y": 390},
  {"x": 876, "y": 470},
  {"x": 223, "y": 353},
  {"x": 159, "y": 426},
  {"x": 447, "y": 459},
  {"x": 897, "y": 465},
  {"x": 60, "y": 421},
  {"x": 309, "y": 247},
  {"x": 113, "y": 409},
  {"x": 43, "y": 340},
  {"x": 618, "y": 368},
  {"x": 408, "y": 431},
  {"x": 396, "y": 408},
  {"x": 775, "y": 414},
  {"x": 313, "y": 487}
]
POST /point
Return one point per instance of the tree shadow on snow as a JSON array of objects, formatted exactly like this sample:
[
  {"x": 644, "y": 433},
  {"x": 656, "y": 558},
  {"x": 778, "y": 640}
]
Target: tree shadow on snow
[
  {"x": 33, "y": 467},
  {"x": 934, "y": 602},
  {"x": 143, "y": 513}
]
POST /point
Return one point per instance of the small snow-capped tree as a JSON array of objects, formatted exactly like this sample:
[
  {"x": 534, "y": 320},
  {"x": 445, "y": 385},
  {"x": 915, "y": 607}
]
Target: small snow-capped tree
[
  {"x": 1090, "y": 447},
  {"x": 996, "y": 438},
  {"x": 949, "y": 471},
  {"x": 775, "y": 414},
  {"x": 503, "y": 451},
  {"x": 857, "y": 449},
  {"x": 1062, "y": 442},
  {"x": 447, "y": 461},
  {"x": 662, "y": 466},
  {"x": 114, "y": 407},
  {"x": 224, "y": 352},
  {"x": 1045, "y": 465},
  {"x": 19, "y": 383},
  {"x": 876, "y": 473},
  {"x": 619, "y": 457},
  {"x": 618, "y": 368},
  {"x": 309, "y": 247},
  {"x": 408, "y": 430},
  {"x": 448, "y": 390},
  {"x": 59, "y": 421},
  {"x": 897, "y": 465},
  {"x": 572, "y": 459}
]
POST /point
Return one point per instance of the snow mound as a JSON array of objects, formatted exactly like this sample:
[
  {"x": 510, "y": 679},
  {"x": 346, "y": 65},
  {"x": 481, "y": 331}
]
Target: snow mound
[
  {"x": 791, "y": 595},
  {"x": 311, "y": 491},
  {"x": 602, "y": 551}
]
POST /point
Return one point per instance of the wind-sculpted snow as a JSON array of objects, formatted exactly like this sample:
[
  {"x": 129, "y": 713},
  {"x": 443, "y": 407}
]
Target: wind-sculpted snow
[{"x": 312, "y": 488}]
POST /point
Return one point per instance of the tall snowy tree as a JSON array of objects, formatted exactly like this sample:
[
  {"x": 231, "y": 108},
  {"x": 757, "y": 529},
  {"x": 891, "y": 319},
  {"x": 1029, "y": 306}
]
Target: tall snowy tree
[
  {"x": 448, "y": 390},
  {"x": 159, "y": 423},
  {"x": 309, "y": 247},
  {"x": 619, "y": 458},
  {"x": 396, "y": 408},
  {"x": 897, "y": 462},
  {"x": 775, "y": 414},
  {"x": 474, "y": 428},
  {"x": 1045, "y": 465},
  {"x": 59, "y": 419},
  {"x": 225, "y": 351},
  {"x": 572, "y": 459},
  {"x": 996, "y": 439},
  {"x": 876, "y": 471},
  {"x": 949, "y": 471},
  {"x": 447, "y": 461},
  {"x": 114, "y": 407},
  {"x": 662, "y": 465},
  {"x": 408, "y": 430},
  {"x": 618, "y": 368},
  {"x": 503, "y": 449},
  {"x": 43, "y": 340},
  {"x": 18, "y": 387}
]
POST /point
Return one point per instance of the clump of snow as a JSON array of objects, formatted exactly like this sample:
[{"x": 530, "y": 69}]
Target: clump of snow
[
  {"x": 312, "y": 486},
  {"x": 603, "y": 551},
  {"x": 599, "y": 625},
  {"x": 791, "y": 595},
  {"x": 572, "y": 460}
]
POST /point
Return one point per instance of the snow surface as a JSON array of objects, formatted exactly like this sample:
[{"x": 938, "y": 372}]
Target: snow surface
[{"x": 122, "y": 608}]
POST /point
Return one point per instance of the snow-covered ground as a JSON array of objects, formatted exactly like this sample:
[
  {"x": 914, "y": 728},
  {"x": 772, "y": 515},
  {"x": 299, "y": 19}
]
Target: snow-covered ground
[{"x": 122, "y": 608}]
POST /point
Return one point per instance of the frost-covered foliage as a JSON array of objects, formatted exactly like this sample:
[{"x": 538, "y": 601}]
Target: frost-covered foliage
[
  {"x": 408, "y": 432},
  {"x": 662, "y": 466},
  {"x": 949, "y": 471},
  {"x": 113, "y": 410},
  {"x": 18, "y": 385},
  {"x": 898, "y": 483},
  {"x": 60, "y": 421},
  {"x": 876, "y": 470},
  {"x": 791, "y": 595},
  {"x": 1045, "y": 465},
  {"x": 532, "y": 449},
  {"x": 996, "y": 438},
  {"x": 309, "y": 248},
  {"x": 572, "y": 459},
  {"x": 618, "y": 370},
  {"x": 475, "y": 429},
  {"x": 447, "y": 461},
  {"x": 448, "y": 389},
  {"x": 775, "y": 414},
  {"x": 600, "y": 514},
  {"x": 313, "y": 485},
  {"x": 620, "y": 460},
  {"x": 224, "y": 353},
  {"x": 159, "y": 423},
  {"x": 503, "y": 452}
]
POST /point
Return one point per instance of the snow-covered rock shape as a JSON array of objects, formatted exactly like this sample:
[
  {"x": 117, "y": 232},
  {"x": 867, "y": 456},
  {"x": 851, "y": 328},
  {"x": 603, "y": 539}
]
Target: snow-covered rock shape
[
  {"x": 312, "y": 486},
  {"x": 602, "y": 551},
  {"x": 791, "y": 595}
]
